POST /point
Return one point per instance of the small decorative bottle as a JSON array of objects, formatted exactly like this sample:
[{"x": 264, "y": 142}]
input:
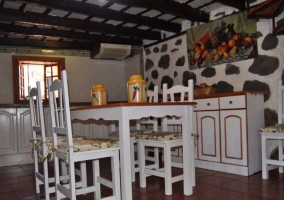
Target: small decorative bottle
[
  {"x": 136, "y": 89},
  {"x": 99, "y": 95}
]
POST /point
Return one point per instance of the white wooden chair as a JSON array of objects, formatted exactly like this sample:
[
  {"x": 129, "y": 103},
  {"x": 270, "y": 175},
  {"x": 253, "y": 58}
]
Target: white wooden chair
[
  {"x": 273, "y": 133},
  {"x": 42, "y": 146},
  {"x": 164, "y": 140},
  {"x": 152, "y": 96},
  {"x": 78, "y": 150}
]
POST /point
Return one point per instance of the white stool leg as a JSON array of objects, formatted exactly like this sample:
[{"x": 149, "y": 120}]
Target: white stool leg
[
  {"x": 264, "y": 157},
  {"x": 116, "y": 175},
  {"x": 83, "y": 174},
  {"x": 132, "y": 158},
  {"x": 156, "y": 157},
  {"x": 281, "y": 156},
  {"x": 141, "y": 157},
  {"x": 96, "y": 174},
  {"x": 168, "y": 170}
]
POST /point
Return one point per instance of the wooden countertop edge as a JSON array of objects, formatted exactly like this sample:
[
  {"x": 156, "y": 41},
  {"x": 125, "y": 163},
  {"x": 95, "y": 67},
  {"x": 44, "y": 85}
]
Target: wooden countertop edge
[{"x": 125, "y": 104}]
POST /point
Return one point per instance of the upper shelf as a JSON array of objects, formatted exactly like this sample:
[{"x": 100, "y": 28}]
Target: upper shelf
[{"x": 269, "y": 9}]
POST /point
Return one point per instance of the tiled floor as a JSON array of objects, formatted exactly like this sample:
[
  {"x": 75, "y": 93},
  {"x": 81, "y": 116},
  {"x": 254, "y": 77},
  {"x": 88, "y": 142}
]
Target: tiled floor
[{"x": 17, "y": 182}]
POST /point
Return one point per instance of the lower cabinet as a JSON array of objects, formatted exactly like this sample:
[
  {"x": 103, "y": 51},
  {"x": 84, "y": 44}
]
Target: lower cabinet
[
  {"x": 229, "y": 139},
  {"x": 16, "y": 133},
  {"x": 209, "y": 137},
  {"x": 8, "y": 133}
]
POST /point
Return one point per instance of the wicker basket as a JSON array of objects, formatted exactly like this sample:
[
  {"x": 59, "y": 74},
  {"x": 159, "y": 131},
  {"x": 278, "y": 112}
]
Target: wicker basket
[{"x": 204, "y": 91}]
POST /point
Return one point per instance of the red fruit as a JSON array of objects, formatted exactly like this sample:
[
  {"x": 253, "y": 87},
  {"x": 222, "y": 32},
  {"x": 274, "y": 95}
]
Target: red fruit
[
  {"x": 192, "y": 62},
  {"x": 244, "y": 37},
  {"x": 200, "y": 60},
  {"x": 214, "y": 85}
]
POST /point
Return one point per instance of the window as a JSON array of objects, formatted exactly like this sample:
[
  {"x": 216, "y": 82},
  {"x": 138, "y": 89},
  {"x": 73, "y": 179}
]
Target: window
[{"x": 27, "y": 70}]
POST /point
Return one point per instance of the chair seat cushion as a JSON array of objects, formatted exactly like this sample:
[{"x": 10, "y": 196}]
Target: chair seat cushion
[
  {"x": 133, "y": 133},
  {"x": 160, "y": 136},
  {"x": 278, "y": 128},
  {"x": 85, "y": 144}
]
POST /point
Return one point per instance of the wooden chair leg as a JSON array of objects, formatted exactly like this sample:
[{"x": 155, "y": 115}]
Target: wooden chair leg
[
  {"x": 156, "y": 157},
  {"x": 83, "y": 174},
  {"x": 46, "y": 180},
  {"x": 132, "y": 159},
  {"x": 116, "y": 175},
  {"x": 168, "y": 170},
  {"x": 96, "y": 174},
  {"x": 264, "y": 157},
  {"x": 142, "y": 164},
  {"x": 281, "y": 156}
]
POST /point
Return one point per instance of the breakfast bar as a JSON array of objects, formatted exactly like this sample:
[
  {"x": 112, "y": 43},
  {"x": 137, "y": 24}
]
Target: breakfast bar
[{"x": 123, "y": 112}]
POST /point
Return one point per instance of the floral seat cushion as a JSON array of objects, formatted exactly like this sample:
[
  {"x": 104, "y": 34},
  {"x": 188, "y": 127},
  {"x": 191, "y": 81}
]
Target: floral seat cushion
[
  {"x": 133, "y": 133},
  {"x": 277, "y": 128},
  {"x": 86, "y": 144},
  {"x": 160, "y": 136}
]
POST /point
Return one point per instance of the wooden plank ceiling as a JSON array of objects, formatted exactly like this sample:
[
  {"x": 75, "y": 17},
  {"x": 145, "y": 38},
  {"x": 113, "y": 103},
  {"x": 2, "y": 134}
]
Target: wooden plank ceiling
[{"x": 79, "y": 24}]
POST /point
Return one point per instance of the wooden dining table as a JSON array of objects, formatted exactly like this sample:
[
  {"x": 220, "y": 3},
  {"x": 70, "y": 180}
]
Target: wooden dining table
[{"x": 124, "y": 112}]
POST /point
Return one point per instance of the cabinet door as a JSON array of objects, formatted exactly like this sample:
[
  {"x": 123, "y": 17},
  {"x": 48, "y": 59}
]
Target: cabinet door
[
  {"x": 8, "y": 133},
  {"x": 233, "y": 137},
  {"x": 209, "y": 136},
  {"x": 24, "y": 129}
]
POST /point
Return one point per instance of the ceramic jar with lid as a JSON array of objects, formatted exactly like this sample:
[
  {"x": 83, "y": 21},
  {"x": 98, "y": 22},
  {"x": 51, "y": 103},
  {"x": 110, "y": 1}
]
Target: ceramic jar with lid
[
  {"x": 99, "y": 95},
  {"x": 136, "y": 89}
]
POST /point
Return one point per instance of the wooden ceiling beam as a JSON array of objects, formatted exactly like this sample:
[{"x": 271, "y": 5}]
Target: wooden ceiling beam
[
  {"x": 45, "y": 44},
  {"x": 254, "y": 13},
  {"x": 104, "y": 12},
  {"x": 49, "y": 32},
  {"x": 240, "y": 4},
  {"x": 170, "y": 7},
  {"x": 11, "y": 15}
]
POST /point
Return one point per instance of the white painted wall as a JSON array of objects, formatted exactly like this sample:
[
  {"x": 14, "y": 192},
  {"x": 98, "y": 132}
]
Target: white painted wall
[{"x": 82, "y": 73}]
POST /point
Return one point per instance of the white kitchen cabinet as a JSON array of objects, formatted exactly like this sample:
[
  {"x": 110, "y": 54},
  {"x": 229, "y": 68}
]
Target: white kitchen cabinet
[
  {"x": 228, "y": 125},
  {"x": 233, "y": 137},
  {"x": 8, "y": 133},
  {"x": 24, "y": 129},
  {"x": 209, "y": 137}
]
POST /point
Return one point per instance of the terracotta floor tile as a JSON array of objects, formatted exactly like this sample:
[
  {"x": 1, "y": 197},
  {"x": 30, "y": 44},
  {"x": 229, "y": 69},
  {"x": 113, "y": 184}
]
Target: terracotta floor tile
[
  {"x": 219, "y": 193},
  {"x": 241, "y": 186},
  {"x": 18, "y": 182},
  {"x": 8, "y": 196},
  {"x": 249, "y": 197},
  {"x": 269, "y": 193},
  {"x": 23, "y": 186},
  {"x": 214, "y": 180},
  {"x": 15, "y": 174},
  {"x": 5, "y": 189}
]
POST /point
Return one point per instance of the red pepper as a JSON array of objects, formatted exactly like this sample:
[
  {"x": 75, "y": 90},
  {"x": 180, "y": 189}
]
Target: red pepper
[{"x": 136, "y": 88}]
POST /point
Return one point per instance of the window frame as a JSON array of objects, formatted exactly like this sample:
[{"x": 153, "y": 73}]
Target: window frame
[{"x": 16, "y": 71}]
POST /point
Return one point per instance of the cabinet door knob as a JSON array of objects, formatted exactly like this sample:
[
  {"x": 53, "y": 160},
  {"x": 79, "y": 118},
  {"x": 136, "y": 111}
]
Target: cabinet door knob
[
  {"x": 208, "y": 104},
  {"x": 230, "y": 102}
]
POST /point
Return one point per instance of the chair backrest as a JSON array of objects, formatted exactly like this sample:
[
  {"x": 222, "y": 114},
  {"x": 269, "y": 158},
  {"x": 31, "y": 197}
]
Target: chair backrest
[
  {"x": 177, "y": 89},
  {"x": 60, "y": 110},
  {"x": 152, "y": 97},
  {"x": 37, "y": 117},
  {"x": 153, "y": 94},
  {"x": 280, "y": 102}
]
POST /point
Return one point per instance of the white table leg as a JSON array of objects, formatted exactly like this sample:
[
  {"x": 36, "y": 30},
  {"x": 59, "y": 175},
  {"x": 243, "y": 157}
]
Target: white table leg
[
  {"x": 188, "y": 159},
  {"x": 125, "y": 163}
]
